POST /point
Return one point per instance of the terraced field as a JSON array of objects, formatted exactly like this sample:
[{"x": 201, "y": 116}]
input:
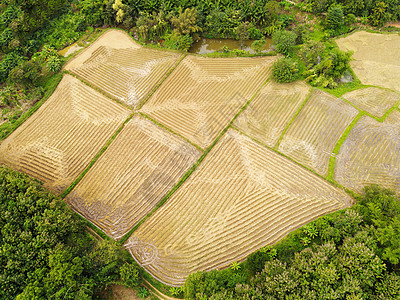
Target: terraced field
[
  {"x": 271, "y": 110},
  {"x": 202, "y": 95},
  {"x": 57, "y": 142},
  {"x": 315, "y": 131},
  {"x": 122, "y": 68},
  {"x": 373, "y": 100},
  {"x": 371, "y": 154},
  {"x": 133, "y": 175},
  {"x": 205, "y": 224},
  {"x": 376, "y": 57}
]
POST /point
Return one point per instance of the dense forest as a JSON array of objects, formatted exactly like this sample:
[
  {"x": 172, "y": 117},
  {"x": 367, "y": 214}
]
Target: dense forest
[{"x": 46, "y": 250}]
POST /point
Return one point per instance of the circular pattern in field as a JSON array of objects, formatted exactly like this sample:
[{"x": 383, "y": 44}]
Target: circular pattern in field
[
  {"x": 202, "y": 95},
  {"x": 376, "y": 57},
  {"x": 315, "y": 131},
  {"x": 122, "y": 68},
  {"x": 58, "y": 141},
  {"x": 242, "y": 197},
  {"x": 375, "y": 101},
  {"x": 271, "y": 110},
  {"x": 371, "y": 154},
  {"x": 132, "y": 176}
]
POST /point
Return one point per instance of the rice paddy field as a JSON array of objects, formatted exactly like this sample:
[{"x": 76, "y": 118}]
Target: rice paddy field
[
  {"x": 205, "y": 160},
  {"x": 375, "y": 101},
  {"x": 134, "y": 174},
  {"x": 205, "y": 224},
  {"x": 313, "y": 134},
  {"x": 271, "y": 111},
  {"x": 120, "y": 67},
  {"x": 371, "y": 154},
  {"x": 57, "y": 142},
  {"x": 202, "y": 95},
  {"x": 376, "y": 57}
]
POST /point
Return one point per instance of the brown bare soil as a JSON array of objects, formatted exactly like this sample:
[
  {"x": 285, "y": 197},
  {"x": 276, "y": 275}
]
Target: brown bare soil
[
  {"x": 242, "y": 197},
  {"x": 202, "y": 95},
  {"x": 58, "y": 141},
  {"x": 315, "y": 131},
  {"x": 376, "y": 57},
  {"x": 271, "y": 111},
  {"x": 120, "y": 67},
  {"x": 132, "y": 176},
  {"x": 371, "y": 154},
  {"x": 375, "y": 101}
]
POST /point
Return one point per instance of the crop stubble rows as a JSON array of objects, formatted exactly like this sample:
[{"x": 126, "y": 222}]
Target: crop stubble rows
[
  {"x": 371, "y": 154},
  {"x": 315, "y": 131},
  {"x": 205, "y": 224},
  {"x": 123, "y": 69},
  {"x": 57, "y": 142},
  {"x": 373, "y": 100},
  {"x": 270, "y": 112},
  {"x": 202, "y": 95},
  {"x": 132, "y": 176}
]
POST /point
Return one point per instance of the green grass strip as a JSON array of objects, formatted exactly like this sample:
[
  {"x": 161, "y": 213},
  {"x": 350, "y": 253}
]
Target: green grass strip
[
  {"x": 50, "y": 85},
  {"x": 294, "y": 117},
  {"x": 169, "y": 130},
  {"x": 154, "y": 89},
  {"x": 335, "y": 152},
  {"x": 98, "y": 90}
]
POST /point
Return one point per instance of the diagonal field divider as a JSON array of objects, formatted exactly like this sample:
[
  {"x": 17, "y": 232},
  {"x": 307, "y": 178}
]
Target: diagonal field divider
[{"x": 192, "y": 169}]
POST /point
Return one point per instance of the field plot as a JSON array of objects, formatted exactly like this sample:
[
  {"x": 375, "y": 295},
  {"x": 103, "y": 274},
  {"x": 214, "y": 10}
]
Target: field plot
[
  {"x": 202, "y": 95},
  {"x": 132, "y": 176},
  {"x": 58, "y": 141},
  {"x": 242, "y": 197},
  {"x": 376, "y": 57},
  {"x": 314, "y": 133},
  {"x": 117, "y": 65},
  {"x": 371, "y": 154},
  {"x": 271, "y": 111},
  {"x": 373, "y": 100}
]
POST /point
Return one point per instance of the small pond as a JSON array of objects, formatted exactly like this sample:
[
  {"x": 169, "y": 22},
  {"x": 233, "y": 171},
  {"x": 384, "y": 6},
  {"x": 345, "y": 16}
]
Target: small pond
[{"x": 206, "y": 45}]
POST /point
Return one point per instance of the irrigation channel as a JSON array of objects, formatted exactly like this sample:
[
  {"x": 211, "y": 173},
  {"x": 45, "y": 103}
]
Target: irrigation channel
[{"x": 206, "y": 45}]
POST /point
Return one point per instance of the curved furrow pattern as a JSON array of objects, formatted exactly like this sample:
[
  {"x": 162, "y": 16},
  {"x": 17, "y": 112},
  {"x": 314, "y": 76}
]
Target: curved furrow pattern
[
  {"x": 371, "y": 154},
  {"x": 202, "y": 95},
  {"x": 140, "y": 167},
  {"x": 315, "y": 131},
  {"x": 242, "y": 197},
  {"x": 57, "y": 143}
]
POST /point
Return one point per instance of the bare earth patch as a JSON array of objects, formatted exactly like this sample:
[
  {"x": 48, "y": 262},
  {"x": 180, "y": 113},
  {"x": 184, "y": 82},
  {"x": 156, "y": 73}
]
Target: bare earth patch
[
  {"x": 120, "y": 67},
  {"x": 271, "y": 111},
  {"x": 132, "y": 176},
  {"x": 315, "y": 131},
  {"x": 58, "y": 141},
  {"x": 371, "y": 154},
  {"x": 376, "y": 57},
  {"x": 373, "y": 100},
  {"x": 202, "y": 95},
  {"x": 242, "y": 197}
]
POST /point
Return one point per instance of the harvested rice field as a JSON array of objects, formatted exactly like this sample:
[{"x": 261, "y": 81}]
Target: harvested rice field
[
  {"x": 375, "y": 101},
  {"x": 58, "y": 141},
  {"x": 120, "y": 67},
  {"x": 132, "y": 176},
  {"x": 271, "y": 110},
  {"x": 376, "y": 57},
  {"x": 202, "y": 95},
  {"x": 371, "y": 154},
  {"x": 315, "y": 131},
  {"x": 205, "y": 223}
]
